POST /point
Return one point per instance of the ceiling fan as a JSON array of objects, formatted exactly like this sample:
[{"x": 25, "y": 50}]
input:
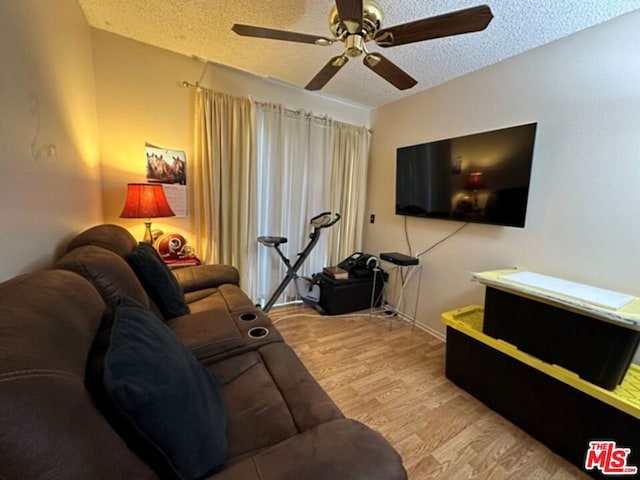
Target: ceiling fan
[{"x": 356, "y": 22}]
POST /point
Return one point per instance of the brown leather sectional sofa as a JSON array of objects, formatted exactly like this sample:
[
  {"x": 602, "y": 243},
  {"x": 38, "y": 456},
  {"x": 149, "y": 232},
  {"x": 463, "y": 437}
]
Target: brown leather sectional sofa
[{"x": 280, "y": 424}]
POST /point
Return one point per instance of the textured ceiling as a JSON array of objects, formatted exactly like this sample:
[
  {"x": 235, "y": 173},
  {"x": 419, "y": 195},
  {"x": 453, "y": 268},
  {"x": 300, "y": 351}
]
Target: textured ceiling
[{"x": 202, "y": 28}]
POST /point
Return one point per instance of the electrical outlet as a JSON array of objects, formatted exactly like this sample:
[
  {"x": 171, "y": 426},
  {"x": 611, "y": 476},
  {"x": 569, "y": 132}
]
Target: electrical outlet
[{"x": 372, "y": 218}]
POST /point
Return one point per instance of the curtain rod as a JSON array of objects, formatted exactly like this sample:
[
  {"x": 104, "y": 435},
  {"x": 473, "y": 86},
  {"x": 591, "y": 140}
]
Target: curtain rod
[
  {"x": 187, "y": 84},
  {"x": 294, "y": 112}
]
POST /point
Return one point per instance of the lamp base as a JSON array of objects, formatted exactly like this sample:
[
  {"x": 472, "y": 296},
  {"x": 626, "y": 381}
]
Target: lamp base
[{"x": 148, "y": 238}]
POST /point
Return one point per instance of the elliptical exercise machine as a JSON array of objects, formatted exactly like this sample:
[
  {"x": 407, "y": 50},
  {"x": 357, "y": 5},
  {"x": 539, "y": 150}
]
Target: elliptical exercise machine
[{"x": 312, "y": 293}]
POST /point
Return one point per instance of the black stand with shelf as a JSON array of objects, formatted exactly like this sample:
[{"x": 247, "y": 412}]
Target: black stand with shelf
[{"x": 406, "y": 269}]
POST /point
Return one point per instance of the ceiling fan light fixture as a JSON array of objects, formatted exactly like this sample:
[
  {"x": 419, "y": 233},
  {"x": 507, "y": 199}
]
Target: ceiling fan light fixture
[{"x": 353, "y": 45}]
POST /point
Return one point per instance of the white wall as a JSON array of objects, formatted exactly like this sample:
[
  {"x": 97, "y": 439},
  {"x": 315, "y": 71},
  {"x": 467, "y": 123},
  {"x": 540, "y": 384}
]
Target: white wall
[
  {"x": 50, "y": 180},
  {"x": 140, "y": 99},
  {"x": 582, "y": 223}
]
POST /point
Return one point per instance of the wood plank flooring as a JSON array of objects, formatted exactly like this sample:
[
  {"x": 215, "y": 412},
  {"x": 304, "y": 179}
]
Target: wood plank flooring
[{"x": 391, "y": 378}]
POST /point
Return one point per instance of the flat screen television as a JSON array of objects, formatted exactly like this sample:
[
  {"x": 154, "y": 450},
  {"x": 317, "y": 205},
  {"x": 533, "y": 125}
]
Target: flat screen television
[{"x": 480, "y": 178}]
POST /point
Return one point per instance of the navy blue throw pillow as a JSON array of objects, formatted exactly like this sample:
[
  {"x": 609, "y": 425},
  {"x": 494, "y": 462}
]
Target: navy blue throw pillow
[
  {"x": 158, "y": 281},
  {"x": 169, "y": 398}
]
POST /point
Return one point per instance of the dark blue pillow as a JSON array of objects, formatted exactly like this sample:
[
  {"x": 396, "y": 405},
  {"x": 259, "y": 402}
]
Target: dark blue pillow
[
  {"x": 158, "y": 281},
  {"x": 164, "y": 393}
]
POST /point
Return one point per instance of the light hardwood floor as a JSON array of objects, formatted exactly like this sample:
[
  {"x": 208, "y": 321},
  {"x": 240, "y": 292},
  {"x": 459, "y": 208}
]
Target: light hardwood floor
[{"x": 392, "y": 379}]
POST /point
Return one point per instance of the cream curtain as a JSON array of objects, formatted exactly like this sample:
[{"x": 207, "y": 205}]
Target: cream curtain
[
  {"x": 261, "y": 169},
  {"x": 225, "y": 179},
  {"x": 349, "y": 167},
  {"x": 293, "y": 150}
]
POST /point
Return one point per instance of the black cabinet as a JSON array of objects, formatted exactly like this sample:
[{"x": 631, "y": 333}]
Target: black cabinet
[
  {"x": 598, "y": 351},
  {"x": 558, "y": 415},
  {"x": 551, "y": 403}
]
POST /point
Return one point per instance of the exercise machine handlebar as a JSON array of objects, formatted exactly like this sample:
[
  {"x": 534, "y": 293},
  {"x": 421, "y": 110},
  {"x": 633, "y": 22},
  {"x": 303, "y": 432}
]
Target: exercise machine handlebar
[{"x": 324, "y": 220}]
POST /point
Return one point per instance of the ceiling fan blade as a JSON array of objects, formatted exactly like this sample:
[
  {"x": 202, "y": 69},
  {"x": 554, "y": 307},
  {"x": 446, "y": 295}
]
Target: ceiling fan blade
[
  {"x": 327, "y": 72},
  {"x": 389, "y": 71},
  {"x": 350, "y": 13},
  {"x": 262, "y": 32},
  {"x": 462, "y": 21}
]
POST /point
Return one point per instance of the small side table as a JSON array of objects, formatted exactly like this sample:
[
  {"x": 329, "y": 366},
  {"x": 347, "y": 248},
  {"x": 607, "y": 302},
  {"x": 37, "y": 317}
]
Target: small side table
[{"x": 189, "y": 262}]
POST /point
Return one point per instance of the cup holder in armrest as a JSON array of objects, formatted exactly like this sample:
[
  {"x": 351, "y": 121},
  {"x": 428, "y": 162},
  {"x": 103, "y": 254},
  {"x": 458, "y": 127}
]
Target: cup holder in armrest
[
  {"x": 248, "y": 316},
  {"x": 258, "y": 332}
]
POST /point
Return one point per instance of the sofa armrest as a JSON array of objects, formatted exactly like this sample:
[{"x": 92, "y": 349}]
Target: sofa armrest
[
  {"x": 199, "y": 277},
  {"x": 342, "y": 449}
]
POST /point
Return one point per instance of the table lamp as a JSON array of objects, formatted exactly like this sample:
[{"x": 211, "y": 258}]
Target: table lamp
[
  {"x": 146, "y": 200},
  {"x": 475, "y": 182}
]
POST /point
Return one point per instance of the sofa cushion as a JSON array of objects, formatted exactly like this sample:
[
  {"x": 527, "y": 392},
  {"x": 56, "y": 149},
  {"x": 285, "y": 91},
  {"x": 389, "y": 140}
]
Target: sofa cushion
[
  {"x": 49, "y": 427},
  {"x": 207, "y": 334},
  {"x": 158, "y": 281},
  {"x": 206, "y": 276},
  {"x": 270, "y": 397},
  {"x": 109, "y": 273},
  {"x": 231, "y": 296},
  {"x": 111, "y": 237},
  {"x": 338, "y": 449},
  {"x": 168, "y": 397}
]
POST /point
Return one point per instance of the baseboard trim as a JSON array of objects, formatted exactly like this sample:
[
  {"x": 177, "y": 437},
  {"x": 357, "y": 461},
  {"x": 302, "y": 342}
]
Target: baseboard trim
[{"x": 425, "y": 328}]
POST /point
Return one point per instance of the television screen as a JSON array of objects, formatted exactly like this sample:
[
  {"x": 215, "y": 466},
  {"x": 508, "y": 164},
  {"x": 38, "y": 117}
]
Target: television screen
[{"x": 481, "y": 178}]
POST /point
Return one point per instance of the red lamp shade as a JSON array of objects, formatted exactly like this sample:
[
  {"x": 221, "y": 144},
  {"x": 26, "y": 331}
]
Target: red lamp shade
[
  {"x": 475, "y": 181},
  {"x": 146, "y": 200}
]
